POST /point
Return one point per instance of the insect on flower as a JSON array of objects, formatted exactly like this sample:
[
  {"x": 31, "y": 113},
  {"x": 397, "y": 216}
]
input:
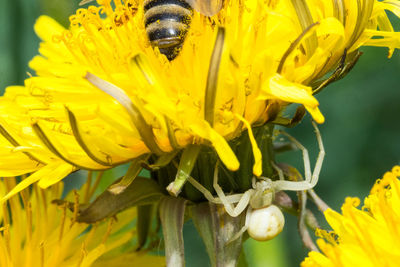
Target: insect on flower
[
  {"x": 264, "y": 220},
  {"x": 168, "y": 21}
]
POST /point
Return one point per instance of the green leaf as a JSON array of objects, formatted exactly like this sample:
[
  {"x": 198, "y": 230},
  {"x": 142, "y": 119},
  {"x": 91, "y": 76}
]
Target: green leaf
[
  {"x": 142, "y": 191},
  {"x": 172, "y": 211}
]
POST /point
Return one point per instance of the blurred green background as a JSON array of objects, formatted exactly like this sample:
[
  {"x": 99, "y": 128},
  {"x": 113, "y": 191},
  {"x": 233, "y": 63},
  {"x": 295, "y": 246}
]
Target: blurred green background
[{"x": 361, "y": 132}]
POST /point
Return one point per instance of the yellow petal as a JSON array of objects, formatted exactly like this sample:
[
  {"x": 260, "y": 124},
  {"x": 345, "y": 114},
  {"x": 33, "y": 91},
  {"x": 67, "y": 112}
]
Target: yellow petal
[
  {"x": 56, "y": 170},
  {"x": 278, "y": 87},
  {"x": 257, "y": 167},
  {"x": 46, "y": 28},
  {"x": 222, "y": 148}
]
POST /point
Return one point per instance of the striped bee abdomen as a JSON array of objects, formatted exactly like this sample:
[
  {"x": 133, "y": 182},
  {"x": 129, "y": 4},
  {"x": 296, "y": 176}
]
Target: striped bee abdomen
[{"x": 167, "y": 22}]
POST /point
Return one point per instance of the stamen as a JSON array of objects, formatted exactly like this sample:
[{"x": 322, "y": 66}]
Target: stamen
[
  {"x": 28, "y": 211},
  {"x": 62, "y": 222},
  {"x": 6, "y": 234},
  {"x": 44, "y": 200},
  {"x": 293, "y": 46},
  {"x": 109, "y": 228},
  {"x": 212, "y": 77},
  {"x": 144, "y": 129},
  {"x": 46, "y": 141},
  {"x": 83, "y": 254},
  {"x": 41, "y": 245},
  {"x": 91, "y": 233},
  {"x": 15, "y": 206},
  {"x": 6, "y": 214},
  {"x": 76, "y": 208}
]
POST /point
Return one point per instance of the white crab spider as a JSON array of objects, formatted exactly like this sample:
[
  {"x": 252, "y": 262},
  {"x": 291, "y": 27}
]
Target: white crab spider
[{"x": 264, "y": 220}]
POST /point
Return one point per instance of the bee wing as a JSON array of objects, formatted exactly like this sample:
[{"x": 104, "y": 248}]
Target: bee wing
[
  {"x": 84, "y": 2},
  {"x": 206, "y": 7}
]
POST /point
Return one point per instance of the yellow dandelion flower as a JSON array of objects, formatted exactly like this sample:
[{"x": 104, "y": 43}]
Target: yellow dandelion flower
[
  {"x": 367, "y": 237},
  {"x": 236, "y": 70},
  {"x": 35, "y": 232}
]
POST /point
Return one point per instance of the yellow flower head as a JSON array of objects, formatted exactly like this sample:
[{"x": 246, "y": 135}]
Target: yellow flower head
[
  {"x": 35, "y": 232},
  {"x": 236, "y": 70},
  {"x": 367, "y": 237}
]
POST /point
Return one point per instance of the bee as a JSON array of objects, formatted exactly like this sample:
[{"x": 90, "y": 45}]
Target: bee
[{"x": 167, "y": 21}]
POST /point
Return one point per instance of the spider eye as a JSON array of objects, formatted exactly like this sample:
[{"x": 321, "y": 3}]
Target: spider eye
[{"x": 265, "y": 223}]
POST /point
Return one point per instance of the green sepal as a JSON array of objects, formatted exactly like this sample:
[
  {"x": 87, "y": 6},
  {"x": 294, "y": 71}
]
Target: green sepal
[
  {"x": 217, "y": 229},
  {"x": 296, "y": 119},
  {"x": 142, "y": 191},
  {"x": 134, "y": 169},
  {"x": 186, "y": 164},
  {"x": 172, "y": 213},
  {"x": 161, "y": 161},
  {"x": 345, "y": 66}
]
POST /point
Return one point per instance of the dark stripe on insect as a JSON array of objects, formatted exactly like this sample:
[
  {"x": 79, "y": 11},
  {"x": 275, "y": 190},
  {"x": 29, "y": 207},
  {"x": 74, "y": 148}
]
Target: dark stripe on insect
[
  {"x": 152, "y": 3},
  {"x": 164, "y": 33},
  {"x": 168, "y": 16}
]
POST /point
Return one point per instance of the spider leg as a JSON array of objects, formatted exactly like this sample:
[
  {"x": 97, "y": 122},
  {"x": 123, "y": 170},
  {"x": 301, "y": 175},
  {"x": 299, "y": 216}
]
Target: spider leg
[
  {"x": 244, "y": 228},
  {"x": 301, "y": 224},
  {"x": 311, "y": 179},
  {"x": 230, "y": 209},
  {"x": 320, "y": 158},
  {"x": 207, "y": 194},
  {"x": 289, "y": 185},
  {"x": 253, "y": 182},
  {"x": 306, "y": 157},
  {"x": 279, "y": 170}
]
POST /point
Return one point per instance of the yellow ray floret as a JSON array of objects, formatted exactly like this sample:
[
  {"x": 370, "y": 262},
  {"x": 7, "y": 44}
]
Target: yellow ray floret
[
  {"x": 231, "y": 68},
  {"x": 367, "y": 237},
  {"x": 36, "y": 232}
]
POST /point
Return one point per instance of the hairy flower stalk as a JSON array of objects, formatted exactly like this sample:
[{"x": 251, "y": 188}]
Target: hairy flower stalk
[
  {"x": 103, "y": 96},
  {"x": 366, "y": 237},
  {"x": 35, "y": 232}
]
